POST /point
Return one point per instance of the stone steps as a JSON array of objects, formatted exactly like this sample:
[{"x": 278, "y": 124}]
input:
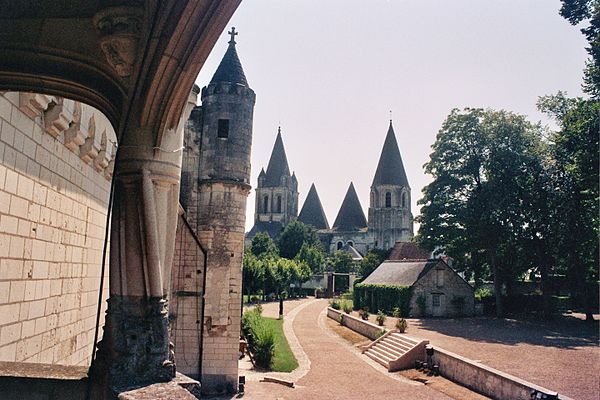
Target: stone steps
[{"x": 396, "y": 351}]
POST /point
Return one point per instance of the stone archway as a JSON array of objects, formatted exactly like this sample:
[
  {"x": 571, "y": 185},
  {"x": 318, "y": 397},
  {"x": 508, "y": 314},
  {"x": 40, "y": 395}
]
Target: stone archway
[{"x": 135, "y": 62}]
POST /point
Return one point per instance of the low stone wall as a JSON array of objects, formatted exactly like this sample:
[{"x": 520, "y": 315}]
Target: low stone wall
[
  {"x": 483, "y": 379},
  {"x": 365, "y": 328}
]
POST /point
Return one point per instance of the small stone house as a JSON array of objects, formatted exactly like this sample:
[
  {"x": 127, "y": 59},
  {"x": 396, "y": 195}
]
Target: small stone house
[{"x": 435, "y": 285}]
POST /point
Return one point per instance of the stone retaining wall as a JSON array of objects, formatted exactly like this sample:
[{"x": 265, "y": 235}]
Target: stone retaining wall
[
  {"x": 483, "y": 379},
  {"x": 365, "y": 328}
]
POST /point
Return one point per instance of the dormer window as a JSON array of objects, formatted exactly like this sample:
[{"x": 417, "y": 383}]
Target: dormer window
[
  {"x": 340, "y": 245},
  {"x": 266, "y": 204},
  {"x": 279, "y": 204},
  {"x": 403, "y": 200},
  {"x": 388, "y": 200},
  {"x": 223, "y": 129}
]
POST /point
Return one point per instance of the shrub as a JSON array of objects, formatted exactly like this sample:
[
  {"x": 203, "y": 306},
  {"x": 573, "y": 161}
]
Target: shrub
[
  {"x": 380, "y": 318},
  {"x": 260, "y": 337},
  {"x": 342, "y": 319},
  {"x": 482, "y": 293},
  {"x": 364, "y": 313},
  {"x": 382, "y": 297},
  {"x": 401, "y": 325},
  {"x": 347, "y": 307},
  {"x": 422, "y": 304},
  {"x": 380, "y": 333},
  {"x": 347, "y": 295},
  {"x": 264, "y": 346},
  {"x": 396, "y": 313},
  {"x": 334, "y": 304}
]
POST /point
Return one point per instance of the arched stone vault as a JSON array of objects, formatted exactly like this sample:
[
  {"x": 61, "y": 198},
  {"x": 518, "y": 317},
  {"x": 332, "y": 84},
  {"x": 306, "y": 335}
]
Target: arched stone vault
[{"x": 136, "y": 62}]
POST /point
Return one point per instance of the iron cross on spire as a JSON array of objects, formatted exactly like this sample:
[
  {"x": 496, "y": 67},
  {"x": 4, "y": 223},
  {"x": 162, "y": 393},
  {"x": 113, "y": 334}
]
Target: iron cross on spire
[{"x": 233, "y": 34}]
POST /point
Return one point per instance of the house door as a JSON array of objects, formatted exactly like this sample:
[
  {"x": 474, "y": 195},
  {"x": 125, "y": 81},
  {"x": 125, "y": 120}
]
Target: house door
[{"x": 437, "y": 301}]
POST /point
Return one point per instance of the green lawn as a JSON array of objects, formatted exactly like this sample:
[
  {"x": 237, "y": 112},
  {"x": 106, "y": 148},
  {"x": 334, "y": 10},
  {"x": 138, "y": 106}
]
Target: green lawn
[{"x": 283, "y": 359}]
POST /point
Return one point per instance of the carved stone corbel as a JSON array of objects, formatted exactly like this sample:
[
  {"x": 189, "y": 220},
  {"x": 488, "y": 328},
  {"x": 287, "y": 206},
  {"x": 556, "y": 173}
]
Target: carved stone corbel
[
  {"x": 33, "y": 104},
  {"x": 119, "y": 29},
  {"x": 103, "y": 158},
  {"x": 108, "y": 171},
  {"x": 75, "y": 136},
  {"x": 56, "y": 117},
  {"x": 90, "y": 148}
]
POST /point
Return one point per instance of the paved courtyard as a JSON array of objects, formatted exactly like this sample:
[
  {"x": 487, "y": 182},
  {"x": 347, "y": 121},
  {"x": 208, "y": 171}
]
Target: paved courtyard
[
  {"x": 561, "y": 355},
  {"x": 336, "y": 371}
]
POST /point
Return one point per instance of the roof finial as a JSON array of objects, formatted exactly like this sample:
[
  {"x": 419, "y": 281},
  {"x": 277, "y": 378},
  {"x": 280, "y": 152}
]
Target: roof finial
[
  {"x": 390, "y": 117},
  {"x": 233, "y": 34},
  {"x": 279, "y": 128}
]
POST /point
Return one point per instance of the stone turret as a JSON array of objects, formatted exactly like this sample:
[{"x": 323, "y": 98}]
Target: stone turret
[
  {"x": 390, "y": 217},
  {"x": 225, "y": 138},
  {"x": 276, "y": 194}
]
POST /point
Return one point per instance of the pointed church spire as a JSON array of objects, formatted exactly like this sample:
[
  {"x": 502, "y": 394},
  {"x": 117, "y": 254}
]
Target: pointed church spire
[
  {"x": 278, "y": 165},
  {"x": 351, "y": 216},
  {"x": 312, "y": 211},
  {"x": 230, "y": 69},
  {"x": 390, "y": 169}
]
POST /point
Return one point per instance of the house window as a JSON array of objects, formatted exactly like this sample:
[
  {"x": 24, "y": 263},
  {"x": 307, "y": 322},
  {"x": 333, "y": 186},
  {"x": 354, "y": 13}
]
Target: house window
[
  {"x": 340, "y": 245},
  {"x": 350, "y": 243},
  {"x": 388, "y": 200},
  {"x": 439, "y": 277},
  {"x": 279, "y": 204},
  {"x": 403, "y": 200},
  {"x": 436, "y": 300},
  {"x": 223, "y": 129},
  {"x": 265, "y": 204}
]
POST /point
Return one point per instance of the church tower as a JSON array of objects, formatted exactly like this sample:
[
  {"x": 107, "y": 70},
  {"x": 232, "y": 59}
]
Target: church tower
[
  {"x": 390, "y": 217},
  {"x": 225, "y": 139},
  {"x": 276, "y": 194}
]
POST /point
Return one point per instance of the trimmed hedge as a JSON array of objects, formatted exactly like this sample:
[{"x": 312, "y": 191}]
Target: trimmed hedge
[{"x": 383, "y": 297}]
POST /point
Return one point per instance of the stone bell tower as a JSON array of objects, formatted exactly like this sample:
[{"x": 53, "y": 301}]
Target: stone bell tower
[
  {"x": 223, "y": 187},
  {"x": 390, "y": 218}
]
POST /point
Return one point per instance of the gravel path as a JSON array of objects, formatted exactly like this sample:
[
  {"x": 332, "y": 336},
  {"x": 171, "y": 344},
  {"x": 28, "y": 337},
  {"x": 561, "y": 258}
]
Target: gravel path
[{"x": 337, "y": 371}]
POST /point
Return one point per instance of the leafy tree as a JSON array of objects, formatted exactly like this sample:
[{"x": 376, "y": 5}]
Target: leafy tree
[
  {"x": 253, "y": 273},
  {"x": 313, "y": 256},
  {"x": 576, "y": 181},
  {"x": 577, "y": 11},
  {"x": 341, "y": 261},
  {"x": 263, "y": 246},
  {"x": 482, "y": 164},
  {"x": 372, "y": 260},
  {"x": 294, "y": 236}
]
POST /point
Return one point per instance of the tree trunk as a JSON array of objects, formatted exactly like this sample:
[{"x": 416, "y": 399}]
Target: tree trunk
[{"x": 497, "y": 286}]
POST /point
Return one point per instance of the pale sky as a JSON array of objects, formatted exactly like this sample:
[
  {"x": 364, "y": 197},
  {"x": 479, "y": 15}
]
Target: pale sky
[{"x": 330, "y": 72}]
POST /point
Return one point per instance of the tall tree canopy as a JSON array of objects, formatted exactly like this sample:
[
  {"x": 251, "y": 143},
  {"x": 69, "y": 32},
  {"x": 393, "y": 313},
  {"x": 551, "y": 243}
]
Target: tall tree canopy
[
  {"x": 483, "y": 163},
  {"x": 577, "y": 11},
  {"x": 294, "y": 236}
]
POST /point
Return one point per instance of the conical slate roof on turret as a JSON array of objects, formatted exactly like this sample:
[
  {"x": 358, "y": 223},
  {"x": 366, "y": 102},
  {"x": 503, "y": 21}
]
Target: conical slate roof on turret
[
  {"x": 390, "y": 170},
  {"x": 278, "y": 165},
  {"x": 351, "y": 216},
  {"x": 312, "y": 211},
  {"x": 230, "y": 69}
]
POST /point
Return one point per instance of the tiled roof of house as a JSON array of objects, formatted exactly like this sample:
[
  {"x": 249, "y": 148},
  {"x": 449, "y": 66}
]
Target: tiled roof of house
[{"x": 401, "y": 273}]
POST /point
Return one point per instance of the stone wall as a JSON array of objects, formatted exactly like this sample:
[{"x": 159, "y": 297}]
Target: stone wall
[
  {"x": 483, "y": 379},
  {"x": 185, "y": 306},
  {"x": 365, "y": 328},
  {"x": 56, "y": 160}
]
